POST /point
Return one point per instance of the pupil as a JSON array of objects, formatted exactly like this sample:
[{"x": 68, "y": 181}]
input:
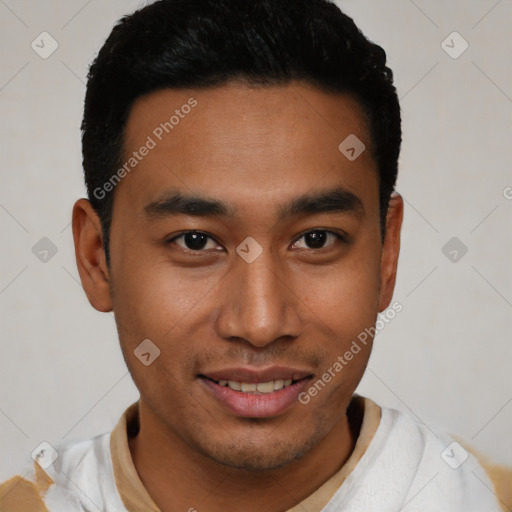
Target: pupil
[
  {"x": 195, "y": 241},
  {"x": 316, "y": 239}
]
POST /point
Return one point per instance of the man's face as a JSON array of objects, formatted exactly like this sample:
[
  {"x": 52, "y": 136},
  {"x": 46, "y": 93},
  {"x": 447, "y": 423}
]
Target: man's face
[{"x": 215, "y": 313}]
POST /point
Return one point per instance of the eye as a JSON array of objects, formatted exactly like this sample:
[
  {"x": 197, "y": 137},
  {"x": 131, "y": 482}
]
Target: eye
[
  {"x": 195, "y": 241},
  {"x": 317, "y": 239}
]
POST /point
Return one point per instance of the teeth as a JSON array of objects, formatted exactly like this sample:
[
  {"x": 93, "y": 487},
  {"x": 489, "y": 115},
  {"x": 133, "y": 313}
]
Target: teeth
[
  {"x": 278, "y": 384},
  {"x": 265, "y": 387},
  {"x": 237, "y": 386},
  {"x": 260, "y": 387}
]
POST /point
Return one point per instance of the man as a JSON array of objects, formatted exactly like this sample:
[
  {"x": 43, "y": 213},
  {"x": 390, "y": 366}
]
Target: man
[{"x": 240, "y": 159}]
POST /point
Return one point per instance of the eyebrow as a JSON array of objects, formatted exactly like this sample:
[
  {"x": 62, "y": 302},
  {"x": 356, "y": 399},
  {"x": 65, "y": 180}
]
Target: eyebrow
[{"x": 334, "y": 200}]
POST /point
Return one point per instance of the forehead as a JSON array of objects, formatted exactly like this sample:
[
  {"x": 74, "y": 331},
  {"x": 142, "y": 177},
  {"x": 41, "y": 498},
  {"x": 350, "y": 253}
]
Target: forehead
[{"x": 245, "y": 144}]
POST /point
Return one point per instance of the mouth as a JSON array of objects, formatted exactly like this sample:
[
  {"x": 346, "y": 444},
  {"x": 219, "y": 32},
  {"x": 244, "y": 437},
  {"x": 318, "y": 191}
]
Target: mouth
[
  {"x": 255, "y": 394},
  {"x": 257, "y": 388}
]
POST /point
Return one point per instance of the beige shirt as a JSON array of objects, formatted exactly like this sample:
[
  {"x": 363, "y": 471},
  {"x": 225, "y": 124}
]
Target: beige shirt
[
  {"x": 135, "y": 497},
  {"x": 102, "y": 469}
]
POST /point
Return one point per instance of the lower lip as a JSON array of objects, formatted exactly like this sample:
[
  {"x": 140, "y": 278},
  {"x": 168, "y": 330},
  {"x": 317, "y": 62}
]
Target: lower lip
[{"x": 252, "y": 405}]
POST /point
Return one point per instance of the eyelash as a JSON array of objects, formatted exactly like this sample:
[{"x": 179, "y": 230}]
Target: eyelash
[{"x": 340, "y": 238}]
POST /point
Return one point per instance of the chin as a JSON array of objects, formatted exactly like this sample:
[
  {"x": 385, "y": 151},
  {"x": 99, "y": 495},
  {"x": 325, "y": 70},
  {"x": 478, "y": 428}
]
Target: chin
[
  {"x": 254, "y": 460},
  {"x": 265, "y": 455}
]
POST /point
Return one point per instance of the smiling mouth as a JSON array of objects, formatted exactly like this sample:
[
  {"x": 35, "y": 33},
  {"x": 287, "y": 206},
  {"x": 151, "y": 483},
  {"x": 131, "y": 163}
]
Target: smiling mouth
[{"x": 259, "y": 388}]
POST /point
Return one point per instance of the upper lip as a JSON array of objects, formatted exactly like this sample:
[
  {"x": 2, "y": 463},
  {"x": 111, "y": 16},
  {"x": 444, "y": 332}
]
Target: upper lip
[{"x": 257, "y": 375}]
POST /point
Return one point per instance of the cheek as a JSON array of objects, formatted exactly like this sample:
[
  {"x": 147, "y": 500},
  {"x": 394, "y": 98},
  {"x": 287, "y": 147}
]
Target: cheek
[
  {"x": 153, "y": 298},
  {"x": 153, "y": 303},
  {"x": 345, "y": 296}
]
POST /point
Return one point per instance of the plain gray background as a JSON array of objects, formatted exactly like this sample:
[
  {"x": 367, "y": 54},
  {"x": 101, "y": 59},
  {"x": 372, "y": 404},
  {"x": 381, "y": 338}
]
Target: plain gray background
[{"x": 446, "y": 357}]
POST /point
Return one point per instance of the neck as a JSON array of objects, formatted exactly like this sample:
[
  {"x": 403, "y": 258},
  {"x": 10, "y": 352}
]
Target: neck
[{"x": 178, "y": 477}]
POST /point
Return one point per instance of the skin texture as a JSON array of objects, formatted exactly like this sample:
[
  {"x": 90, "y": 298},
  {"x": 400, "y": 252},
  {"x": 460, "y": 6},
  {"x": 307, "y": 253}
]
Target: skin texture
[{"x": 294, "y": 306}]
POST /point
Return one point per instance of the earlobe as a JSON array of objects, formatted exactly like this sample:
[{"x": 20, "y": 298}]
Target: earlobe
[
  {"x": 90, "y": 255},
  {"x": 391, "y": 250}
]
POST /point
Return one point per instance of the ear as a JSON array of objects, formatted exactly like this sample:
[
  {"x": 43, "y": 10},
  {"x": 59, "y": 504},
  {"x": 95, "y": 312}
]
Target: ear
[
  {"x": 90, "y": 255},
  {"x": 390, "y": 250}
]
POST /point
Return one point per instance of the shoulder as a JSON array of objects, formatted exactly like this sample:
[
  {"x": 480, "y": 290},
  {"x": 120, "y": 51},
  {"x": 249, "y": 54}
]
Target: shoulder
[
  {"x": 411, "y": 466},
  {"x": 500, "y": 476},
  {"x": 67, "y": 476},
  {"x": 443, "y": 467}
]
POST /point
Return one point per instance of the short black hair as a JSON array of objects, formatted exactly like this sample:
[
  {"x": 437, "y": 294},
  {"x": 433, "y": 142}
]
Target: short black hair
[{"x": 180, "y": 44}]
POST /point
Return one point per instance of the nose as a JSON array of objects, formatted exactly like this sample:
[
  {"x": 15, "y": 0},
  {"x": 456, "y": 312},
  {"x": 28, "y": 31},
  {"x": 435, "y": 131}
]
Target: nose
[{"x": 258, "y": 304}]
